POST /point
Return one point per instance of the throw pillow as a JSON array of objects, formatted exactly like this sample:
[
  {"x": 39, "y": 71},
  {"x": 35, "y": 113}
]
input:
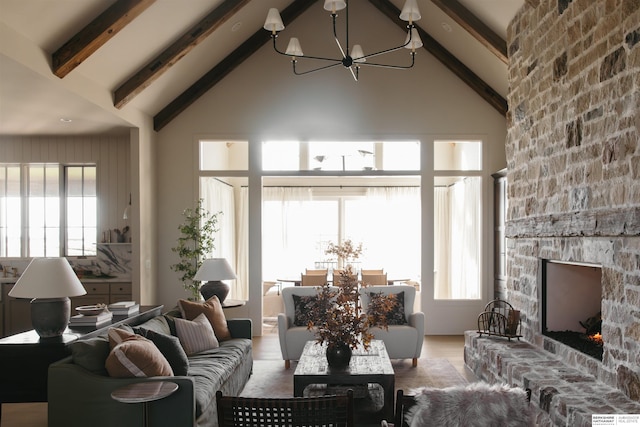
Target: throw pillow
[
  {"x": 134, "y": 356},
  {"x": 396, "y": 315},
  {"x": 302, "y": 312},
  {"x": 212, "y": 309},
  {"x": 170, "y": 348},
  {"x": 197, "y": 335},
  {"x": 476, "y": 405},
  {"x": 91, "y": 354}
]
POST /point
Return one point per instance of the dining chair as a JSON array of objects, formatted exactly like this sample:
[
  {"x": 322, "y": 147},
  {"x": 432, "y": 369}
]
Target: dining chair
[
  {"x": 374, "y": 279},
  {"x": 328, "y": 410},
  {"x": 375, "y": 271},
  {"x": 324, "y": 271},
  {"x": 338, "y": 275},
  {"x": 313, "y": 279}
]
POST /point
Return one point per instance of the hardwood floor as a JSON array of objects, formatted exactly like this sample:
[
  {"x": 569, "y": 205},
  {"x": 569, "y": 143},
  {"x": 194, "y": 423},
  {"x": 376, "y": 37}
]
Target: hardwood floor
[{"x": 266, "y": 347}]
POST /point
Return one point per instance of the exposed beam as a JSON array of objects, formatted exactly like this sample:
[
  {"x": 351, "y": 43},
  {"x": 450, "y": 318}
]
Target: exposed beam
[
  {"x": 228, "y": 64},
  {"x": 96, "y": 34},
  {"x": 194, "y": 36},
  {"x": 447, "y": 59},
  {"x": 475, "y": 27}
]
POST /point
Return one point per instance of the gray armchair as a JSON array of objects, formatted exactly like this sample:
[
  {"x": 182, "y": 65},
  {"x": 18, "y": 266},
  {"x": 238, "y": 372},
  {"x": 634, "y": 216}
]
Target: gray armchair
[{"x": 401, "y": 341}]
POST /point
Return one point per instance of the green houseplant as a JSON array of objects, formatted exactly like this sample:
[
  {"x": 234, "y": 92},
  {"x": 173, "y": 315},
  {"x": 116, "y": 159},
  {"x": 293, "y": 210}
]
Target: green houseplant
[{"x": 196, "y": 241}]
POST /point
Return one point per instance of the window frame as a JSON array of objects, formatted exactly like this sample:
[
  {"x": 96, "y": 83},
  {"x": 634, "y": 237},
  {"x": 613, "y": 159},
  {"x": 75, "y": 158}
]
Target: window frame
[{"x": 25, "y": 241}]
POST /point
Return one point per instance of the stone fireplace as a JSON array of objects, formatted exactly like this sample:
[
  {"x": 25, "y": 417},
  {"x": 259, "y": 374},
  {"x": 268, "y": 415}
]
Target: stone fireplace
[{"x": 573, "y": 169}]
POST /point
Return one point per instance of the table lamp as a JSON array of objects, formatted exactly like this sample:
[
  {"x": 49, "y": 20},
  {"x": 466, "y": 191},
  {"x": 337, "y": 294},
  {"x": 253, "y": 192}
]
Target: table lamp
[
  {"x": 50, "y": 282},
  {"x": 214, "y": 270}
]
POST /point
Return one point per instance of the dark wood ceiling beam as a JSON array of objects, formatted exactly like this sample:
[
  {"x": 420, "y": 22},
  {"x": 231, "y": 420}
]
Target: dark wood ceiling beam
[
  {"x": 97, "y": 33},
  {"x": 447, "y": 59},
  {"x": 160, "y": 64},
  {"x": 475, "y": 27},
  {"x": 226, "y": 66}
]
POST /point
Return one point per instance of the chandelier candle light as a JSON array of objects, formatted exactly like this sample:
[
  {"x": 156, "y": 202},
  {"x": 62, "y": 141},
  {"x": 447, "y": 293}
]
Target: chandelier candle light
[{"x": 352, "y": 56}]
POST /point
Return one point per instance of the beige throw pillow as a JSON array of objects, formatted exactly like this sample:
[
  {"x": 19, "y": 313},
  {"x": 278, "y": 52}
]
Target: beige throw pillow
[
  {"x": 212, "y": 309},
  {"x": 197, "y": 335}
]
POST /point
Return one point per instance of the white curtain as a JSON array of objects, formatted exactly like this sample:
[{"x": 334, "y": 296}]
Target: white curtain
[
  {"x": 441, "y": 235},
  {"x": 464, "y": 265},
  {"x": 219, "y": 197},
  {"x": 285, "y": 233},
  {"x": 389, "y": 222}
]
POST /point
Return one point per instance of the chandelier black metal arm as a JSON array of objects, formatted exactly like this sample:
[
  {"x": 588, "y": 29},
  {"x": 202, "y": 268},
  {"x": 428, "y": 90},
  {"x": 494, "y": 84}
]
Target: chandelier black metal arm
[{"x": 347, "y": 52}]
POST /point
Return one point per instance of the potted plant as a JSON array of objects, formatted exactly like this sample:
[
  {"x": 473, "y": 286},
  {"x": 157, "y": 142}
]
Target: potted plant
[
  {"x": 336, "y": 315},
  {"x": 196, "y": 241},
  {"x": 339, "y": 321}
]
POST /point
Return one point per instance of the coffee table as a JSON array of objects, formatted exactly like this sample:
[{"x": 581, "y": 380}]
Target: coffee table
[{"x": 372, "y": 367}]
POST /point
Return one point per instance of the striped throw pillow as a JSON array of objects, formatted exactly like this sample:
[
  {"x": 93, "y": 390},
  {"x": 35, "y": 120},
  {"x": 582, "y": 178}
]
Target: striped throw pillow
[
  {"x": 197, "y": 335},
  {"x": 134, "y": 356}
]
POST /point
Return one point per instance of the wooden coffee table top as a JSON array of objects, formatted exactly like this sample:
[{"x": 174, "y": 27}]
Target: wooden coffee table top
[{"x": 313, "y": 361}]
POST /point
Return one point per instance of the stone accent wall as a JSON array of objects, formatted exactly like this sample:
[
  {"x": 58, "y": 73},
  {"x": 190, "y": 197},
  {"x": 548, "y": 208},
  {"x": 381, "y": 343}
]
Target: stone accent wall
[{"x": 573, "y": 160}]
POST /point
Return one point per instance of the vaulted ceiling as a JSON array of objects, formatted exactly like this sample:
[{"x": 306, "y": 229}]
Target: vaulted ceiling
[{"x": 156, "y": 57}]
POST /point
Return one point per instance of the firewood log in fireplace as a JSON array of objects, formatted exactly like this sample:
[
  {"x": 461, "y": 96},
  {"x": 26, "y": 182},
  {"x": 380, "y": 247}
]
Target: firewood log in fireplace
[{"x": 593, "y": 325}]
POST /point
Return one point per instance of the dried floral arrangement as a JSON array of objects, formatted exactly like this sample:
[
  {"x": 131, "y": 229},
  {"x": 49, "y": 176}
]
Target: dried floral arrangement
[
  {"x": 346, "y": 251},
  {"x": 338, "y": 318}
]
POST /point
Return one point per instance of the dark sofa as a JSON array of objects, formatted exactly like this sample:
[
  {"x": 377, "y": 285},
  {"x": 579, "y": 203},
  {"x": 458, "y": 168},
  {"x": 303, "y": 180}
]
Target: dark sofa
[{"x": 79, "y": 391}]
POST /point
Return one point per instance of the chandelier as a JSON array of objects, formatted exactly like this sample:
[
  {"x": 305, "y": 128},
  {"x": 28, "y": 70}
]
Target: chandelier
[{"x": 352, "y": 57}]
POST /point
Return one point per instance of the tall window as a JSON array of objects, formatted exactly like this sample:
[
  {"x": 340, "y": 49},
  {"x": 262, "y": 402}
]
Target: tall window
[
  {"x": 81, "y": 218},
  {"x": 457, "y": 219},
  {"x": 299, "y": 222},
  {"x": 42, "y": 214}
]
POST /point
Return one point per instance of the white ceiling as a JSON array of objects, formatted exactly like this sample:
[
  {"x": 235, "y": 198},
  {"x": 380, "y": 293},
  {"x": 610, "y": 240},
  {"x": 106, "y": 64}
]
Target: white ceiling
[{"x": 33, "y": 101}]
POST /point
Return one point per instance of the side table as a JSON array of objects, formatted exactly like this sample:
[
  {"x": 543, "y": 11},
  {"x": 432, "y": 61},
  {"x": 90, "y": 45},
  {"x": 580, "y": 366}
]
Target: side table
[{"x": 144, "y": 392}]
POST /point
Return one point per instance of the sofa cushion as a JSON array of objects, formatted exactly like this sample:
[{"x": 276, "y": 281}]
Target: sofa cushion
[
  {"x": 212, "y": 309},
  {"x": 170, "y": 348},
  {"x": 215, "y": 369},
  {"x": 157, "y": 324},
  {"x": 302, "y": 314},
  {"x": 197, "y": 335},
  {"x": 134, "y": 356},
  {"x": 91, "y": 354},
  {"x": 396, "y": 316}
]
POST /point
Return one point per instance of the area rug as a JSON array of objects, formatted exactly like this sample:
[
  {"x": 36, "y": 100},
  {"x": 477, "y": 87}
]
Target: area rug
[{"x": 270, "y": 378}]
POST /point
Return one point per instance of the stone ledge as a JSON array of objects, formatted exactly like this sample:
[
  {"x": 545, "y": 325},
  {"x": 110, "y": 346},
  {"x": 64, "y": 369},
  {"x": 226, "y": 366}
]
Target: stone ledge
[{"x": 561, "y": 394}]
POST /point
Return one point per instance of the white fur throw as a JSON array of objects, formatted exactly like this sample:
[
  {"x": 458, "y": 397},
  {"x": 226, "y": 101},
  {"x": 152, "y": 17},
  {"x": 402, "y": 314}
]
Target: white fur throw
[{"x": 477, "y": 404}]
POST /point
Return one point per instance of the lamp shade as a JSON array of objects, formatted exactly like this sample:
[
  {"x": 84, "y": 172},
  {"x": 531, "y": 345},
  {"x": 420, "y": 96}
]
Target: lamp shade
[
  {"x": 294, "y": 48},
  {"x": 410, "y": 11},
  {"x": 48, "y": 278},
  {"x": 274, "y": 21},
  {"x": 357, "y": 54},
  {"x": 333, "y": 5},
  {"x": 214, "y": 269},
  {"x": 416, "y": 41}
]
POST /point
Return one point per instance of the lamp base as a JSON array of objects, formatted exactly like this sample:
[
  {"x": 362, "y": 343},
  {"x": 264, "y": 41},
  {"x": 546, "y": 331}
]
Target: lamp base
[
  {"x": 50, "y": 316},
  {"x": 214, "y": 287}
]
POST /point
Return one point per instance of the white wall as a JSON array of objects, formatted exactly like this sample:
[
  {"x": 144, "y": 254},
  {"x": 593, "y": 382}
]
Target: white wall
[{"x": 262, "y": 99}]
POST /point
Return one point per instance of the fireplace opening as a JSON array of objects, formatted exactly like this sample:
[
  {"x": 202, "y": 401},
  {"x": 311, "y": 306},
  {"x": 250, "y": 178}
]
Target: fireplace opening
[{"x": 571, "y": 305}]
